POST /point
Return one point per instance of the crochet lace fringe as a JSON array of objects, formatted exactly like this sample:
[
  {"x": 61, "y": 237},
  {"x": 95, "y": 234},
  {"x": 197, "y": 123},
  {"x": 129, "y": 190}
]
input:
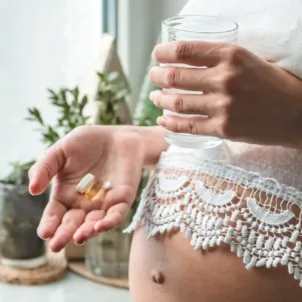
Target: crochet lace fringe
[{"x": 211, "y": 203}]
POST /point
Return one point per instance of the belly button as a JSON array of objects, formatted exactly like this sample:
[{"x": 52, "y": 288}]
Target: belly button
[{"x": 157, "y": 276}]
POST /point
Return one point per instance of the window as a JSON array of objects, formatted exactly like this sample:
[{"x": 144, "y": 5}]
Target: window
[
  {"x": 50, "y": 44},
  {"x": 139, "y": 25},
  {"x": 109, "y": 16},
  {"x": 44, "y": 44}
]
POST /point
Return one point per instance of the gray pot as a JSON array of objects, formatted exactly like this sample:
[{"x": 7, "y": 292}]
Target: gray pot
[{"x": 20, "y": 214}]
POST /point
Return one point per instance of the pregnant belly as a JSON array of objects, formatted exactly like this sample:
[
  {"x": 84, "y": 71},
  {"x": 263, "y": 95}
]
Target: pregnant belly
[{"x": 166, "y": 268}]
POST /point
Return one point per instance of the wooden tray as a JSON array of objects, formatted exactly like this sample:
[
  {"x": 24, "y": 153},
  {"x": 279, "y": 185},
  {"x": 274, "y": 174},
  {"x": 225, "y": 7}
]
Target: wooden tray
[
  {"x": 79, "y": 268},
  {"x": 53, "y": 270}
]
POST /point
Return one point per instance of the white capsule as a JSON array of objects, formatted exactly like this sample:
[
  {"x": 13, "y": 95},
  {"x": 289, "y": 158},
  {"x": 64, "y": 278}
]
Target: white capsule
[
  {"x": 107, "y": 185},
  {"x": 85, "y": 183}
]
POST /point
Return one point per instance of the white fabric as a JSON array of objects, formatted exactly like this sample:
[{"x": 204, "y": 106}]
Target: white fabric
[
  {"x": 271, "y": 29},
  {"x": 247, "y": 196},
  {"x": 214, "y": 203}
]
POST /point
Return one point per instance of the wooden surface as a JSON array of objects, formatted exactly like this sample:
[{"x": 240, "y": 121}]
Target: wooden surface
[
  {"x": 79, "y": 268},
  {"x": 54, "y": 270},
  {"x": 75, "y": 252}
]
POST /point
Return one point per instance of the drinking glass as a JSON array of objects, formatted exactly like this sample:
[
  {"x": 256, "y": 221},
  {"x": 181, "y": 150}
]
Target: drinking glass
[{"x": 195, "y": 28}]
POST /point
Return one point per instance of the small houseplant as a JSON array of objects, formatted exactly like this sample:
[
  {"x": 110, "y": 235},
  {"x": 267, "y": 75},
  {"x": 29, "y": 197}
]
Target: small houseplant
[
  {"x": 111, "y": 109},
  {"x": 20, "y": 215},
  {"x": 21, "y": 212}
]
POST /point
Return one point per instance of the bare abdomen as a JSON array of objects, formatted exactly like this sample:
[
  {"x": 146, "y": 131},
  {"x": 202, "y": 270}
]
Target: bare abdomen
[{"x": 167, "y": 269}]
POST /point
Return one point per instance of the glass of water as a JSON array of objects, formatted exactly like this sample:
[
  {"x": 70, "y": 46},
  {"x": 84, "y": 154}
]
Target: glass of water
[{"x": 195, "y": 28}]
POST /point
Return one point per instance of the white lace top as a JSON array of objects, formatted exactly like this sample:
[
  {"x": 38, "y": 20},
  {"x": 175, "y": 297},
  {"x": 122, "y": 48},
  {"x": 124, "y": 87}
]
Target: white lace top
[{"x": 252, "y": 200}]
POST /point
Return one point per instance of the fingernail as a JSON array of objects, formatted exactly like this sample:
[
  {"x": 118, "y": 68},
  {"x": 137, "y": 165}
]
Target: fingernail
[
  {"x": 80, "y": 244},
  {"x": 43, "y": 235},
  {"x": 33, "y": 187},
  {"x": 161, "y": 121},
  {"x": 154, "y": 95}
]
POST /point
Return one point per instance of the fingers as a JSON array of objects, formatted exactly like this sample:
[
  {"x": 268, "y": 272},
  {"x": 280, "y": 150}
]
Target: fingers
[
  {"x": 197, "y": 125},
  {"x": 192, "y": 79},
  {"x": 51, "y": 219},
  {"x": 183, "y": 103},
  {"x": 42, "y": 172},
  {"x": 86, "y": 230},
  {"x": 71, "y": 221},
  {"x": 121, "y": 194},
  {"x": 196, "y": 53},
  {"x": 114, "y": 218},
  {"x": 116, "y": 203}
]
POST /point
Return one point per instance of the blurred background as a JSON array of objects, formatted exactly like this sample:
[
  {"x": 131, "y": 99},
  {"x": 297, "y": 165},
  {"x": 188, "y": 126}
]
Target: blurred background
[
  {"x": 54, "y": 43},
  {"x": 64, "y": 63}
]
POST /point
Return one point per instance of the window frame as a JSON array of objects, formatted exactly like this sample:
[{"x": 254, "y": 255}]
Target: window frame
[{"x": 109, "y": 12}]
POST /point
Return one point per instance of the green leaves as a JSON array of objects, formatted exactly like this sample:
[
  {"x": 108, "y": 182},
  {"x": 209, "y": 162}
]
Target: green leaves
[
  {"x": 70, "y": 104},
  {"x": 70, "y": 107},
  {"x": 110, "y": 96},
  {"x": 34, "y": 115}
]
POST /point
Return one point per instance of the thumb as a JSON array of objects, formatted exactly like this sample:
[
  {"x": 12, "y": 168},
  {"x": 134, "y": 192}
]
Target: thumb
[{"x": 43, "y": 171}]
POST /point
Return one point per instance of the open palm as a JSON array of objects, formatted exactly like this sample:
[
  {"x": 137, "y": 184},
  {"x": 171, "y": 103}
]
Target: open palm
[{"x": 107, "y": 152}]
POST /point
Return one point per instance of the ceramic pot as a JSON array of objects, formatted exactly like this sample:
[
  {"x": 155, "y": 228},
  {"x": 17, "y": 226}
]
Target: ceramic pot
[{"x": 20, "y": 214}]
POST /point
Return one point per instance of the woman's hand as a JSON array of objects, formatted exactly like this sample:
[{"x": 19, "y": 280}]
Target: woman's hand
[
  {"x": 107, "y": 152},
  {"x": 245, "y": 98}
]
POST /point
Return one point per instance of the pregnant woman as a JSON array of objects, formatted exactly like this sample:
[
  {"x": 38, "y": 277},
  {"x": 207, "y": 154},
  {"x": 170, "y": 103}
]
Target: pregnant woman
[{"x": 217, "y": 230}]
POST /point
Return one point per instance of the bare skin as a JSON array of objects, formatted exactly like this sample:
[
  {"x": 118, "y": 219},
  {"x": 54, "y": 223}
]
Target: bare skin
[
  {"x": 117, "y": 154},
  {"x": 213, "y": 276},
  {"x": 162, "y": 269},
  {"x": 167, "y": 269},
  {"x": 245, "y": 98}
]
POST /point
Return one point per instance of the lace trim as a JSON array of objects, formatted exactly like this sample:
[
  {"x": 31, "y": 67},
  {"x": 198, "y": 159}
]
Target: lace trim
[{"x": 211, "y": 203}]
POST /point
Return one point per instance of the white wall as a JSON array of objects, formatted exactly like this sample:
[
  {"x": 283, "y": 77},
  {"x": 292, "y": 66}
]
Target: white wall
[
  {"x": 139, "y": 27},
  {"x": 43, "y": 44},
  {"x": 50, "y": 44}
]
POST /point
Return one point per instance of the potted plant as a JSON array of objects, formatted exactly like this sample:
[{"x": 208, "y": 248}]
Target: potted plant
[
  {"x": 19, "y": 211},
  {"x": 109, "y": 250},
  {"x": 111, "y": 109},
  {"x": 20, "y": 215}
]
